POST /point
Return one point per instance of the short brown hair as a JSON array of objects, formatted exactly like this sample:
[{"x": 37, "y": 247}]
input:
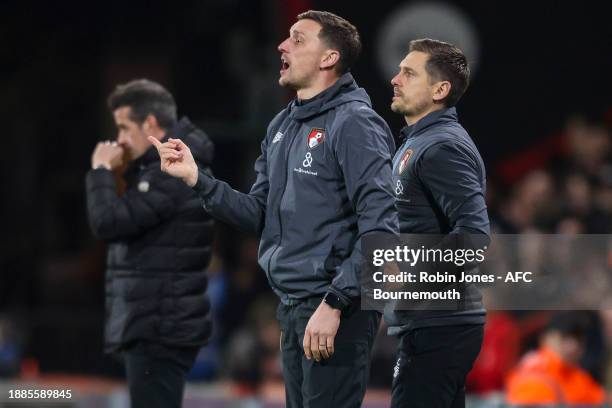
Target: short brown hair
[
  {"x": 446, "y": 62},
  {"x": 339, "y": 34}
]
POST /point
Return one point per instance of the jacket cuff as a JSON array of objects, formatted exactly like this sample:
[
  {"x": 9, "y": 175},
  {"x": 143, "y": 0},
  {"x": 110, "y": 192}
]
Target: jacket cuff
[
  {"x": 100, "y": 176},
  {"x": 344, "y": 299},
  {"x": 204, "y": 185}
]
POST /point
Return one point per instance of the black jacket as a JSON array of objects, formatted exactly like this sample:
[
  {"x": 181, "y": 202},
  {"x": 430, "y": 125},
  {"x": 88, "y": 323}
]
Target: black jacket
[
  {"x": 159, "y": 244},
  {"x": 439, "y": 183},
  {"x": 323, "y": 182}
]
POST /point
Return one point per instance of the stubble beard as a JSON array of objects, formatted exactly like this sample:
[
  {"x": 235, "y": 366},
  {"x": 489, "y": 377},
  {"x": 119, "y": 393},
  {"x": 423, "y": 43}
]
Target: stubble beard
[
  {"x": 296, "y": 82},
  {"x": 289, "y": 83},
  {"x": 412, "y": 111},
  {"x": 396, "y": 108}
]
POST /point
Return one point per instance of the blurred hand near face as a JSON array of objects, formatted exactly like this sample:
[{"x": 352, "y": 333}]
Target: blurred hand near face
[{"x": 108, "y": 154}]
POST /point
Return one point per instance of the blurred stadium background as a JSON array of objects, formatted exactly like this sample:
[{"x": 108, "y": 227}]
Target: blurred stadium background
[{"x": 538, "y": 108}]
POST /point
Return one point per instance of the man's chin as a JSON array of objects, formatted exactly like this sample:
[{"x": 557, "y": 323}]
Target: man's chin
[
  {"x": 288, "y": 83},
  {"x": 285, "y": 82},
  {"x": 397, "y": 109}
]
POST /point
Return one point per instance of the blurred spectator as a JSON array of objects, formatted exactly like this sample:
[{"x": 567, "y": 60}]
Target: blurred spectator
[
  {"x": 561, "y": 184},
  {"x": 253, "y": 355},
  {"x": 208, "y": 361},
  {"x": 589, "y": 147},
  {"x": 244, "y": 363},
  {"x": 551, "y": 375},
  {"x": 247, "y": 282},
  {"x": 499, "y": 353},
  {"x": 530, "y": 203}
]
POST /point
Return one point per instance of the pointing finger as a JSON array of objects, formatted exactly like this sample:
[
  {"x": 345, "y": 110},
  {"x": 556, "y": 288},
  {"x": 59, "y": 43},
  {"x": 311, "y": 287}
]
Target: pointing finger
[{"x": 154, "y": 142}]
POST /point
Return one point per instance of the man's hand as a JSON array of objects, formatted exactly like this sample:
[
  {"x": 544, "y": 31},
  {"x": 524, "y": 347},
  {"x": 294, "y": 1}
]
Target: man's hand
[
  {"x": 177, "y": 160},
  {"x": 107, "y": 154},
  {"x": 320, "y": 332}
]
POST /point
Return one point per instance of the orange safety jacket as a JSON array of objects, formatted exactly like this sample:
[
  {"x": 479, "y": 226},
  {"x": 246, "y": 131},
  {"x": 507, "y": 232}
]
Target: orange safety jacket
[{"x": 542, "y": 377}]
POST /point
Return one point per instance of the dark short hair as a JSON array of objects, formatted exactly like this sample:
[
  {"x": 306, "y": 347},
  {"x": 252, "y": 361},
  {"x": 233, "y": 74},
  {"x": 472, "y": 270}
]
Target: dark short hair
[
  {"x": 338, "y": 34},
  {"x": 145, "y": 97},
  {"x": 446, "y": 62},
  {"x": 569, "y": 323}
]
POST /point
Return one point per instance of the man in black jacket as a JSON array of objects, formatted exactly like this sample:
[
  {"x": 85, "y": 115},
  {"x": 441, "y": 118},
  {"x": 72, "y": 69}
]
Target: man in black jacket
[
  {"x": 439, "y": 181},
  {"x": 159, "y": 244},
  {"x": 323, "y": 182}
]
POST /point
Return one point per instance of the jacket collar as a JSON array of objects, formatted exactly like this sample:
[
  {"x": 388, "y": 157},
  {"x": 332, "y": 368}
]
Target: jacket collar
[
  {"x": 180, "y": 129},
  {"x": 344, "y": 90},
  {"x": 440, "y": 116}
]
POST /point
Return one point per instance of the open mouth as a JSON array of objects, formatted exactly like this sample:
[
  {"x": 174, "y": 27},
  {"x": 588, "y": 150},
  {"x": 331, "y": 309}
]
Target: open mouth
[{"x": 284, "y": 65}]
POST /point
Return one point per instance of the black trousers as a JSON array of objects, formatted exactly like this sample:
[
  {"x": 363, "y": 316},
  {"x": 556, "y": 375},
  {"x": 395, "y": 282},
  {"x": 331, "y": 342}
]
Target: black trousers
[
  {"x": 339, "y": 382},
  {"x": 432, "y": 365},
  {"x": 156, "y": 374}
]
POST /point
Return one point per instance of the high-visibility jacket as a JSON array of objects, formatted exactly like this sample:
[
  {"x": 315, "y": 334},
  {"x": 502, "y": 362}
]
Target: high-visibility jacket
[{"x": 542, "y": 377}]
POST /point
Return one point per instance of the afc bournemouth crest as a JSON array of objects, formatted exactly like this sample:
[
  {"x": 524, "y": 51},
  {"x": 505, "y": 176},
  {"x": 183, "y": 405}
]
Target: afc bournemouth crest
[
  {"x": 315, "y": 137},
  {"x": 404, "y": 162}
]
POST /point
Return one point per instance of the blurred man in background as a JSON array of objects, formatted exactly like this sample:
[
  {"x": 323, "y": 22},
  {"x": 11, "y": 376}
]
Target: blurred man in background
[
  {"x": 439, "y": 180},
  {"x": 323, "y": 182},
  {"x": 159, "y": 244},
  {"x": 551, "y": 375}
]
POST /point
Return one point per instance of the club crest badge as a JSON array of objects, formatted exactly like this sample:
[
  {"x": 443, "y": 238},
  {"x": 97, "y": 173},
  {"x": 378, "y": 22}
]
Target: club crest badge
[
  {"x": 143, "y": 186},
  {"x": 403, "y": 164},
  {"x": 315, "y": 138}
]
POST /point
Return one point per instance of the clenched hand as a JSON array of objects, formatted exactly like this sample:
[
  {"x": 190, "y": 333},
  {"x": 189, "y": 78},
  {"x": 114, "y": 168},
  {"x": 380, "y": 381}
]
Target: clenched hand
[
  {"x": 107, "y": 154},
  {"x": 176, "y": 160}
]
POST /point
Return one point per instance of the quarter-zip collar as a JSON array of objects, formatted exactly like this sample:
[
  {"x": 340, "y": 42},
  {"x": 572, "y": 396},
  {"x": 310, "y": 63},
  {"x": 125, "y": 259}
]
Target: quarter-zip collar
[
  {"x": 344, "y": 90},
  {"x": 432, "y": 118}
]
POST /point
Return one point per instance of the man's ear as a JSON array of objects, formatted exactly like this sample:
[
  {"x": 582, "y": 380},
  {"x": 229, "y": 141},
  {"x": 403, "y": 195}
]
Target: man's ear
[
  {"x": 150, "y": 124},
  {"x": 441, "y": 90},
  {"x": 330, "y": 59}
]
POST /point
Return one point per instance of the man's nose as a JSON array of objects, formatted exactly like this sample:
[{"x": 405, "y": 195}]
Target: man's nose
[{"x": 282, "y": 47}]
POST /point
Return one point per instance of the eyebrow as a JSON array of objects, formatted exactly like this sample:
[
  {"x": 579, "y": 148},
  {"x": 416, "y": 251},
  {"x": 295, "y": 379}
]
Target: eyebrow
[
  {"x": 404, "y": 68},
  {"x": 296, "y": 32}
]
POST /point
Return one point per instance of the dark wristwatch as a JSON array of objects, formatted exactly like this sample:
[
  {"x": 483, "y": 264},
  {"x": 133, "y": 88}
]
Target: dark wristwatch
[{"x": 334, "y": 301}]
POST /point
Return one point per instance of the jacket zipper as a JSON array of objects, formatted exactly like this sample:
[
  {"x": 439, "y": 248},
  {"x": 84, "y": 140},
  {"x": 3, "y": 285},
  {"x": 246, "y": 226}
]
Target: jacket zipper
[{"x": 280, "y": 219}]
